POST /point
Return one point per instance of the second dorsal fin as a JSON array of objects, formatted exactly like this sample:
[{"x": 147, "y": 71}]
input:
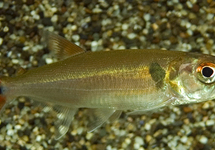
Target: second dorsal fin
[{"x": 61, "y": 47}]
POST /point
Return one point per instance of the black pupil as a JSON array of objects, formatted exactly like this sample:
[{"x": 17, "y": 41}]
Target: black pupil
[{"x": 207, "y": 72}]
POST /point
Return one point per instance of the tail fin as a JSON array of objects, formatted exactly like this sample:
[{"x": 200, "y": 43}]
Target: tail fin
[
  {"x": 2, "y": 98},
  {"x": 2, "y": 102}
]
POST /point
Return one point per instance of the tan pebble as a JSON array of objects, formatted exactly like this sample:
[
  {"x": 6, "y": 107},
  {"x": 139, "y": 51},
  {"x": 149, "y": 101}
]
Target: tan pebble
[
  {"x": 130, "y": 127},
  {"x": 186, "y": 121},
  {"x": 155, "y": 26},
  {"x": 206, "y": 105},
  {"x": 25, "y": 138},
  {"x": 157, "y": 133},
  {"x": 148, "y": 138},
  {"x": 89, "y": 135}
]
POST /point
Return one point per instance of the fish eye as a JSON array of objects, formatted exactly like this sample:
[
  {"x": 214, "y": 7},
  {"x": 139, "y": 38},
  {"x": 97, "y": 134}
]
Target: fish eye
[{"x": 206, "y": 72}]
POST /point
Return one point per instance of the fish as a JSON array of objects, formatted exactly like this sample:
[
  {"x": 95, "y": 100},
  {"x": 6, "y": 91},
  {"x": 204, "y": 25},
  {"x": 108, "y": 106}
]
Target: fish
[{"x": 109, "y": 82}]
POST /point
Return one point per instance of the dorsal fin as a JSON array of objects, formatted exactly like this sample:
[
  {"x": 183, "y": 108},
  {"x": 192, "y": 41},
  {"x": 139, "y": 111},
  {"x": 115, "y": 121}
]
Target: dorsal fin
[{"x": 61, "y": 47}]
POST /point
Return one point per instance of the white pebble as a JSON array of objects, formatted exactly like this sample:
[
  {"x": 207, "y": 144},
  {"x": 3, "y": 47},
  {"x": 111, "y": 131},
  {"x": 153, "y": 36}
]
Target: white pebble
[
  {"x": 210, "y": 16},
  {"x": 1, "y": 41},
  {"x": 136, "y": 146},
  {"x": 38, "y": 138},
  {"x": 76, "y": 37},
  {"x": 147, "y": 126},
  {"x": 97, "y": 10},
  {"x": 6, "y": 29},
  {"x": 94, "y": 45},
  {"x": 49, "y": 60},
  {"x": 132, "y": 35},
  {"x": 9, "y": 126},
  {"x": 106, "y": 22},
  {"x": 203, "y": 139},
  {"x": 139, "y": 140},
  {"x": 147, "y": 17},
  {"x": 54, "y": 18},
  {"x": 25, "y": 48},
  {"x": 209, "y": 122},
  {"x": 189, "y": 4},
  {"x": 18, "y": 127},
  {"x": 80, "y": 130},
  {"x": 74, "y": 27},
  {"x": 128, "y": 141},
  {"x": 15, "y": 61},
  {"x": 54, "y": 9},
  {"x": 10, "y": 132},
  {"x": 124, "y": 26},
  {"x": 184, "y": 139}
]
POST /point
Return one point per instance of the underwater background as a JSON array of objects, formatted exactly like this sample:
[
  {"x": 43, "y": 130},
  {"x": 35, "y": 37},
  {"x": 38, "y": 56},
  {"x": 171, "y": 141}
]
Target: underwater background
[{"x": 177, "y": 25}]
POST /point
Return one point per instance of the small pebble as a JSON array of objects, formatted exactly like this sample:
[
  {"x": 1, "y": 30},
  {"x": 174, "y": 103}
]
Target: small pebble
[
  {"x": 89, "y": 135},
  {"x": 203, "y": 139},
  {"x": 147, "y": 17},
  {"x": 206, "y": 105},
  {"x": 49, "y": 60},
  {"x": 139, "y": 140},
  {"x": 210, "y": 122},
  {"x": 132, "y": 36},
  {"x": 54, "y": 18},
  {"x": 76, "y": 37},
  {"x": 184, "y": 139},
  {"x": 1, "y": 41}
]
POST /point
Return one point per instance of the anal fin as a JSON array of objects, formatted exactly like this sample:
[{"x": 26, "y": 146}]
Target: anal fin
[
  {"x": 99, "y": 116},
  {"x": 65, "y": 115}
]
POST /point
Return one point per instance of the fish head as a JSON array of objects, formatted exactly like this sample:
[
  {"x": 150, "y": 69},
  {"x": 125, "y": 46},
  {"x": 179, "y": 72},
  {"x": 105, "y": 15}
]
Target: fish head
[{"x": 192, "y": 79}]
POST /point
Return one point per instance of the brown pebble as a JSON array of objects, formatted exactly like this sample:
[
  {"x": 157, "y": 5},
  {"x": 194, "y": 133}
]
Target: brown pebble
[
  {"x": 195, "y": 8},
  {"x": 173, "y": 40},
  {"x": 187, "y": 109},
  {"x": 184, "y": 35},
  {"x": 22, "y": 39}
]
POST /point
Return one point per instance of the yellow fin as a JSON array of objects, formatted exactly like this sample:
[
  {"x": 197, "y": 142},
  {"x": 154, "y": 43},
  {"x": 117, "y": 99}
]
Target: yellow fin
[
  {"x": 20, "y": 71},
  {"x": 62, "y": 47}
]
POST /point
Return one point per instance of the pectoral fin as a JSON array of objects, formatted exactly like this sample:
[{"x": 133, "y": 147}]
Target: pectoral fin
[{"x": 99, "y": 116}]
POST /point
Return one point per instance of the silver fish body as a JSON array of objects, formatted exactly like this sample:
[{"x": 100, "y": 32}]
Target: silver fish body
[{"x": 109, "y": 82}]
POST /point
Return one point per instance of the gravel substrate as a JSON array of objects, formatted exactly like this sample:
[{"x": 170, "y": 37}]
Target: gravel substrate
[{"x": 177, "y": 25}]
